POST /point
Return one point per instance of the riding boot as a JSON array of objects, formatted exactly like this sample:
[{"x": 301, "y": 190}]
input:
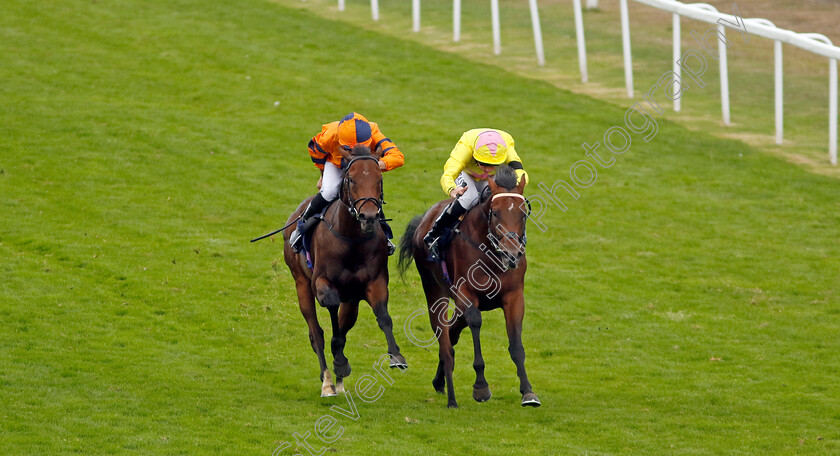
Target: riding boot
[
  {"x": 446, "y": 220},
  {"x": 318, "y": 204},
  {"x": 389, "y": 234}
]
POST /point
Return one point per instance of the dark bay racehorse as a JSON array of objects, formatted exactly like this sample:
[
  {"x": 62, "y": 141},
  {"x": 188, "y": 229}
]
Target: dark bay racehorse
[
  {"x": 350, "y": 263},
  {"x": 485, "y": 270}
]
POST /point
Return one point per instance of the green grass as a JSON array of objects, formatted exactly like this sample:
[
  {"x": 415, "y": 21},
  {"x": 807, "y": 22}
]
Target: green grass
[
  {"x": 686, "y": 304},
  {"x": 750, "y": 64}
]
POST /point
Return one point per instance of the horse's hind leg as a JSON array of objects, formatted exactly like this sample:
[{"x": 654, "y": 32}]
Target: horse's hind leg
[
  {"x": 481, "y": 390},
  {"x": 343, "y": 318},
  {"x": 446, "y": 353},
  {"x": 328, "y": 296},
  {"x": 437, "y": 299},
  {"x": 447, "y": 356},
  {"x": 316, "y": 335},
  {"x": 377, "y": 296},
  {"x": 439, "y": 382},
  {"x": 514, "y": 312}
]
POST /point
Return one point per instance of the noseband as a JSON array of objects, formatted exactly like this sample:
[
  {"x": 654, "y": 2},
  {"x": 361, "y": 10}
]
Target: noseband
[{"x": 353, "y": 205}]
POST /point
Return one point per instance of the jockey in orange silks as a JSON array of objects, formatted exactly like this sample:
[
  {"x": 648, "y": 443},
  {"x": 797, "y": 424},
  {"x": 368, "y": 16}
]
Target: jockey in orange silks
[
  {"x": 473, "y": 160},
  {"x": 325, "y": 150}
]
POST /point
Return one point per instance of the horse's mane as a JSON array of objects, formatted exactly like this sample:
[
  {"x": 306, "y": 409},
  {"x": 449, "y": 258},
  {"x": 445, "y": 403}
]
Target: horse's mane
[{"x": 506, "y": 177}]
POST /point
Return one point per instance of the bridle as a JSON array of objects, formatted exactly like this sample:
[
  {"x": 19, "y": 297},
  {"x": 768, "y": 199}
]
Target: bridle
[
  {"x": 495, "y": 238},
  {"x": 355, "y": 205}
]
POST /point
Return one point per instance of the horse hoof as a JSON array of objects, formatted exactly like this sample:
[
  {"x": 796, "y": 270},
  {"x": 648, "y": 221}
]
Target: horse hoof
[
  {"x": 439, "y": 386},
  {"x": 530, "y": 400},
  {"x": 482, "y": 394},
  {"x": 452, "y": 404},
  {"x": 342, "y": 370},
  {"x": 328, "y": 391},
  {"x": 327, "y": 387},
  {"x": 398, "y": 361}
]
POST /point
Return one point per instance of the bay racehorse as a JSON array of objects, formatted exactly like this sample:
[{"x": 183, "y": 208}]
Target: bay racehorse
[
  {"x": 349, "y": 258},
  {"x": 482, "y": 269}
]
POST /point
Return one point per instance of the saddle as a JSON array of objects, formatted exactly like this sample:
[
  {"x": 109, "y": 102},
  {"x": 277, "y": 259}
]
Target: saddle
[{"x": 306, "y": 230}]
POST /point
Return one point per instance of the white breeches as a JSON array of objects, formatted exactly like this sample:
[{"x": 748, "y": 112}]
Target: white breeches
[
  {"x": 474, "y": 188},
  {"x": 331, "y": 182}
]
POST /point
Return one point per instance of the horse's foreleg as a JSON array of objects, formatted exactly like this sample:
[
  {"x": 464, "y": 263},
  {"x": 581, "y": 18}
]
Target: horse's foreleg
[
  {"x": 481, "y": 390},
  {"x": 377, "y": 296},
  {"x": 514, "y": 312},
  {"x": 306, "y": 300},
  {"x": 343, "y": 318}
]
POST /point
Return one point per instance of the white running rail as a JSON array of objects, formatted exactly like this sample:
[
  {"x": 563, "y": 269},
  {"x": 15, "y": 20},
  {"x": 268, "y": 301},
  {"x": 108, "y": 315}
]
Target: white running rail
[{"x": 811, "y": 42}]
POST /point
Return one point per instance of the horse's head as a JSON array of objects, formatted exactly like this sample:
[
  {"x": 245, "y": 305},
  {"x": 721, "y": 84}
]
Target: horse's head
[
  {"x": 507, "y": 213},
  {"x": 361, "y": 189}
]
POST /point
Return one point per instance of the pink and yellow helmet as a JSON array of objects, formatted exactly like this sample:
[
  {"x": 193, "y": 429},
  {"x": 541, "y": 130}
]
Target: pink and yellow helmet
[{"x": 490, "y": 148}]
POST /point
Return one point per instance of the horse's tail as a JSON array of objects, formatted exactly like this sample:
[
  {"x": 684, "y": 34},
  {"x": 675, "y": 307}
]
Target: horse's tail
[{"x": 407, "y": 246}]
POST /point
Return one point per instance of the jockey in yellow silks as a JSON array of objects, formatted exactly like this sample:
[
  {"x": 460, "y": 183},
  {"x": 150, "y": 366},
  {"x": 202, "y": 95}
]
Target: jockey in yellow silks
[
  {"x": 473, "y": 160},
  {"x": 325, "y": 150}
]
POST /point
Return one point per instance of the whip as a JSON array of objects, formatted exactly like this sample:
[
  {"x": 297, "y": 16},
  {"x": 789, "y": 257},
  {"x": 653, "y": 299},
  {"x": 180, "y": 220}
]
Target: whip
[{"x": 276, "y": 231}]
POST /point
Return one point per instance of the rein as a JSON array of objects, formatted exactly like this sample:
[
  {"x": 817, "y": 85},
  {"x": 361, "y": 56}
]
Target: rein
[
  {"x": 345, "y": 190},
  {"x": 354, "y": 211},
  {"x": 494, "y": 240},
  {"x": 353, "y": 205}
]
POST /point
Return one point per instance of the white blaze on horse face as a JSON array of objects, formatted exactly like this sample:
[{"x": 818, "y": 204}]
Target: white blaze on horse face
[
  {"x": 365, "y": 172},
  {"x": 511, "y": 207}
]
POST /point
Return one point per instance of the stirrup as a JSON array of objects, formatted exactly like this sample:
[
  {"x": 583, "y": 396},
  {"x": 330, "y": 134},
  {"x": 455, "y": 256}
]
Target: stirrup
[
  {"x": 296, "y": 241},
  {"x": 434, "y": 252},
  {"x": 391, "y": 247}
]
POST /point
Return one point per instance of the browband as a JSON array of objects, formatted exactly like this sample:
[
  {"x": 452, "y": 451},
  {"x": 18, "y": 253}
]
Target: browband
[{"x": 515, "y": 195}]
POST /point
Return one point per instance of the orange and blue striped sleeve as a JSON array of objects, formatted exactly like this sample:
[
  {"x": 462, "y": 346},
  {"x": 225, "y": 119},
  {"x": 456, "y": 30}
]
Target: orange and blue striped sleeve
[
  {"x": 318, "y": 146},
  {"x": 391, "y": 155}
]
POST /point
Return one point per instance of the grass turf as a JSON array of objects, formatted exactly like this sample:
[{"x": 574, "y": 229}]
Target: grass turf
[{"x": 685, "y": 304}]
